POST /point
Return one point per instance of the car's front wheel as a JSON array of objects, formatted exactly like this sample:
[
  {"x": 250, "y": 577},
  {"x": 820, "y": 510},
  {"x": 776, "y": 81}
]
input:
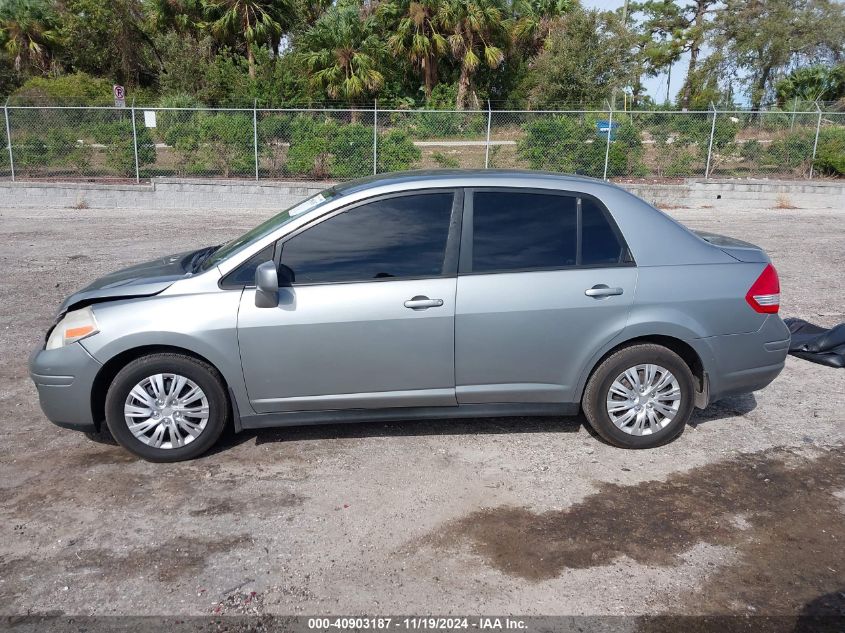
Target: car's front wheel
[
  {"x": 167, "y": 407},
  {"x": 640, "y": 396}
]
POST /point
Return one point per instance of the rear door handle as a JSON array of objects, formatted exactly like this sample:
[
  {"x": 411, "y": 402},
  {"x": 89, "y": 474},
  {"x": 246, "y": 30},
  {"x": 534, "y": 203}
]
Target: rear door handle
[
  {"x": 601, "y": 290},
  {"x": 421, "y": 302}
]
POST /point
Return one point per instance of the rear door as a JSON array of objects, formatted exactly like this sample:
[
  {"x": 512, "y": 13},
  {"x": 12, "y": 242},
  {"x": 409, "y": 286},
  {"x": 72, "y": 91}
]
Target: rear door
[
  {"x": 369, "y": 319},
  {"x": 545, "y": 279}
]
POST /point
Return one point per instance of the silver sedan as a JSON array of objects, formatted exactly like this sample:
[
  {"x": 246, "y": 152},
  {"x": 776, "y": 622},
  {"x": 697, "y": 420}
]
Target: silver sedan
[{"x": 418, "y": 295}]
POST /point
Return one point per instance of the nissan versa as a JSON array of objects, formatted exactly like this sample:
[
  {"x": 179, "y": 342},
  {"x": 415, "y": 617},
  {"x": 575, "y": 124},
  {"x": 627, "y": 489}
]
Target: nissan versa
[{"x": 419, "y": 295}]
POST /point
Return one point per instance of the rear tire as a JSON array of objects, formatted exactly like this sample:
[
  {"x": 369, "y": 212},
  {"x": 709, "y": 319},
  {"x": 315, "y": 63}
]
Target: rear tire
[
  {"x": 640, "y": 396},
  {"x": 167, "y": 407}
]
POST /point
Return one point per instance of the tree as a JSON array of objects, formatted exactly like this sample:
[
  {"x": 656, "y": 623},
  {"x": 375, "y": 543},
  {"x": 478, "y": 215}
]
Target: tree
[
  {"x": 764, "y": 37},
  {"x": 416, "y": 36},
  {"x": 106, "y": 39},
  {"x": 183, "y": 16},
  {"x": 669, "y": 30},
  {"x": 812, "y": 83},
  {"x": 342, "y": 53},
  {"x": 587, "y": 55},
  {"x": 533, "y": 21},
  {"x": 475, "y": 29},
  {"x": 27, "y": 28},
  {"x": 250, "y": 22}
]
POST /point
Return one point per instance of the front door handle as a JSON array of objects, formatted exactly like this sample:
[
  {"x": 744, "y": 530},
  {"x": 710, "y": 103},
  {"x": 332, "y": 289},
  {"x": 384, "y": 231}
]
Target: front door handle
[
  {"x": 421, "y": 302},
  {"x": 601, "y": 290}
]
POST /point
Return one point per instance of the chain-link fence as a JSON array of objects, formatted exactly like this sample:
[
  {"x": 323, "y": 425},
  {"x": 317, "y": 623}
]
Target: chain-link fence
[{"x": 136, "y": 144}]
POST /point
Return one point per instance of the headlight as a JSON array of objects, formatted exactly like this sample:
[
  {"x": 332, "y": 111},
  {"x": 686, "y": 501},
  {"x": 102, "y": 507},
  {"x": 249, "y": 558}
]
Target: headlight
[{"x": 75, "y": 326}]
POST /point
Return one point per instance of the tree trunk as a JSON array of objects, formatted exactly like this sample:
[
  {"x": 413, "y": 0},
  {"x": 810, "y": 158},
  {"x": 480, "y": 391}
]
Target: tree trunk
[
  {"x": 695, "y": 50},
  {"x": 428, "y": 78},
  {"x": 760, "y": 87},
  {"x": 463, "y": 87},
  {"x": 250, "y": 57}
]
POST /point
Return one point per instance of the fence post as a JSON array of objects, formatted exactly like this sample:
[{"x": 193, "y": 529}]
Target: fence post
[
  {"x": 255, "y": 134},
  {"x": 710, "y": 145},
  {"x": 816, "y": 142},
  {"x": 609, "y": 132},
  {"x": 9, "y": 139},
  {"x": 487, "y": 145},
  {"x": 375, "y": 137},
  {"x": 794, "y": 108},
  {"x": 135, "y": 143}
]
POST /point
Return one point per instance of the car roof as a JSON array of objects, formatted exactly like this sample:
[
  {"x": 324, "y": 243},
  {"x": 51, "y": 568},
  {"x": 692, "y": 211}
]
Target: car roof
[{"x": 470, "y": 178}]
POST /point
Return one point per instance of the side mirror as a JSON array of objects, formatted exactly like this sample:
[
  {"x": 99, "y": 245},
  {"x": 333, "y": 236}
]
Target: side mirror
[{"x": 266, "y": 286}]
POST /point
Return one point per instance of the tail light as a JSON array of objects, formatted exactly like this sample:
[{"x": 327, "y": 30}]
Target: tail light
[{"x": 764, "y": 294}]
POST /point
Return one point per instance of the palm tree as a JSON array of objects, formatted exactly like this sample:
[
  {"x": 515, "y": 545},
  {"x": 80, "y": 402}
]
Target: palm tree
[
  {"x": 341, "y": 53},
  {"x": 252, "y": 21},
  {"x": 416, "y": 36},
  {"x": 180, "y": 15},
  {"x": 27, "y": 28},
  {"x": 474, "y": 28},
  {"x": 533, "y": 20}
]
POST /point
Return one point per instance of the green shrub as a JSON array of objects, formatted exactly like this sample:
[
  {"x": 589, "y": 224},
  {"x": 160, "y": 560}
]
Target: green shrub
[
  {"x": 322, "y": 149},
  {"x": 203, "y": 142},
  {"x": 792, "y": 152},
  {"x": 830, "y": 154},
  {"x": 567, "y": 144},
  {"x": 752, "y": 151},
  {"x": 65, "y": 150},
  {"x": 226, "y": 143},
  {"x": 446, "y": 161},
  {"x": 425, "y": 125},
  {"x": 680, "y": 162},
  {"x": 119, "y": 147},
  {"x": 309, "y": 152},
  {"x": 396, "y": 152},
  {"x": 78, "y": 88},
  {"x": 352, "y": 148},
  {"x": 30, "y": 152},
  {"x": 775, "y": 119}
]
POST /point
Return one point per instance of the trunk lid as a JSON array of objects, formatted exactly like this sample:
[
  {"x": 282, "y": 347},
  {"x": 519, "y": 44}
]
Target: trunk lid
[{"x": 739, "y": 250}]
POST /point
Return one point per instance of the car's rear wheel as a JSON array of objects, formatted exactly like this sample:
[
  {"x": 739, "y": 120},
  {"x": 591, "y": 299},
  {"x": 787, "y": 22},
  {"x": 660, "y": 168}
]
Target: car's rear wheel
[
  {"x": 640, "y": 396},
  {"x": 167, "y": 407}
]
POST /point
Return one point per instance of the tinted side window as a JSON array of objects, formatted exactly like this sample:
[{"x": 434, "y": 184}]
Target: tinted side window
[
  {"x": 599, "y": 244},
  {"x": 517, "y": 231},
  {"x": 392, "y": 238}
]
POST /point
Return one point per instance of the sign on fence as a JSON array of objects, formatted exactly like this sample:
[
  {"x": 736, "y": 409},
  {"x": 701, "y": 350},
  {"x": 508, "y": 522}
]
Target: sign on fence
[
  {"x": 150, "y": 118},
  {"x": 119, "y": 96},
  {"x": 604, "y": 126}
]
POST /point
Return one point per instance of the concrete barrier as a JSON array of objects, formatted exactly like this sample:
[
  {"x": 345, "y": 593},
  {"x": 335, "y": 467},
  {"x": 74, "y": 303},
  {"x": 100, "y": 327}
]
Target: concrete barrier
[{"x": 167, "y": 193}]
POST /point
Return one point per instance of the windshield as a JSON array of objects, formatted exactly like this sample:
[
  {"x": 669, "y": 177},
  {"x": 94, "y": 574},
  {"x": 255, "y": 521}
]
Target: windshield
[{"x": 265, "y": 228}]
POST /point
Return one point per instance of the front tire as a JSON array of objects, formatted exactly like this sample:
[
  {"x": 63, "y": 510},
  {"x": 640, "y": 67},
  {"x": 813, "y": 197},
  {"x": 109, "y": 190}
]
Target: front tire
[
  {"x": 640, "y": 396},
  {"x": 167, "y": 407}
]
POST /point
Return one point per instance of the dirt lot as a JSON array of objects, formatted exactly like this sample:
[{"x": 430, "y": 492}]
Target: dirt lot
[{"x": 743, "y": 514}]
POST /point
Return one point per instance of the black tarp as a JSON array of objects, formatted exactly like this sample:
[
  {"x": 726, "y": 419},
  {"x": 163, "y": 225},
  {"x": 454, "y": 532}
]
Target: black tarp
[{"x": 816, "y": 344}]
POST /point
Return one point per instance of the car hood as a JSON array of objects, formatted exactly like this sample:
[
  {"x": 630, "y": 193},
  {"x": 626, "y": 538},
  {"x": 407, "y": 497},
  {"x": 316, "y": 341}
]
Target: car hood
[{"x": 141, "y": 280}]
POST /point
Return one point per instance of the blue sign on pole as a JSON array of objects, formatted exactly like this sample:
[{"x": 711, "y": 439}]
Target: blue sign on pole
[{"x": 603, "y": 127}]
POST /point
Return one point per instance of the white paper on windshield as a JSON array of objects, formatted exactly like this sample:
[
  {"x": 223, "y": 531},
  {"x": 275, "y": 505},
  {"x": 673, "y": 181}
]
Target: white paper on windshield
[{"x": 307, "y": 205}]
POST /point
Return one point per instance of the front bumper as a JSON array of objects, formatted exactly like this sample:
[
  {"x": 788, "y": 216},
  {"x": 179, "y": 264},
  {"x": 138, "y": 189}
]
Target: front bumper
[{"x": 64, "y": 378}]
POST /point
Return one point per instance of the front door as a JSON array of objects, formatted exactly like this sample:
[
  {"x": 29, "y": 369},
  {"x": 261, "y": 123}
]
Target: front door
[{"x": 369, "y": 319}]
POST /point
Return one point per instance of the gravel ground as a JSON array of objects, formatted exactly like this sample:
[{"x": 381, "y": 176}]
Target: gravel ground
[{"x": 741, "y": 515}]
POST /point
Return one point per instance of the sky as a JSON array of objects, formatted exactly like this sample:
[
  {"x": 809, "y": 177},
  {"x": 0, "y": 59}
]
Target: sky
[{"x": 655, "y": 86}]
